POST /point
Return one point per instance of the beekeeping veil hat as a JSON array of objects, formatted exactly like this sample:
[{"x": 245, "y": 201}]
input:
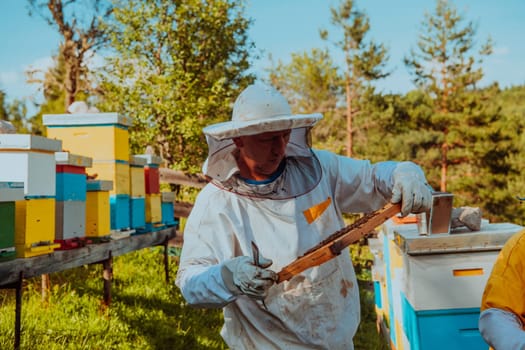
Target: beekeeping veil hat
[{"x": 259, "y": 108}]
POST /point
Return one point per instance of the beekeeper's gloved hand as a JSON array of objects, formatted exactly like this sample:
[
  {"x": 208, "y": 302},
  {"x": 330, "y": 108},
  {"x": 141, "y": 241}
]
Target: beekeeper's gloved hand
[
  {"x": 241, "y": 276},
  {"x": 411, "y": 189}
]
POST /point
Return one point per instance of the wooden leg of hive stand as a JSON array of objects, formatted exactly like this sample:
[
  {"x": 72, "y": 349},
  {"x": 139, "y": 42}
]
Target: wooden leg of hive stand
[{"x": 108, "y": 276}]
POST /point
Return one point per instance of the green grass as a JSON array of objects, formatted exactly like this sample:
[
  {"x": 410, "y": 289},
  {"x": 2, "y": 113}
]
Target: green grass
[
  {"x": 367, "y": 337},
  {"x": 145, "y": 312}
]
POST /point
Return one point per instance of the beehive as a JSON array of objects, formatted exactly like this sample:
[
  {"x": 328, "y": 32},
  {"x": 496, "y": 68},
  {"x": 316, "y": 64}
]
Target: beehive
[
  {"x": 137, "y": 193},
  {"x": 436, "y": 281},
  {"x": 115, "y": 171},
  {"x": 120, "y": 211},
  {"x": 151, "y": 173},
  {"x": 167, "y": 208},
  {"x": 10, "y": 192},
  {"x": 31, "y": 160},
  {"x": 379, "y": 279},
  {"x": 138, "y": 213},
  {"x": 137, "y": 177},
  {"x": 71, "y": 198},
  {"x": 35, "y": 227},
  {"x": 100, "y": 136},
  {"x": 153, "y": 209},
  {"x": 98, "y": 217}
]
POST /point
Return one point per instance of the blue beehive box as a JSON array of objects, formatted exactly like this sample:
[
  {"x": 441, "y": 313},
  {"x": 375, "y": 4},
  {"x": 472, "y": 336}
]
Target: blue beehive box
[
  {"x": 71, "y": 187},
  {"x": 71, "y": 179},
  {"x": 424, "y": 329},
  {"x": 138, "y": 212},
  {"x": 120, "y": 211},
  {"x": 167, "y": 209}
]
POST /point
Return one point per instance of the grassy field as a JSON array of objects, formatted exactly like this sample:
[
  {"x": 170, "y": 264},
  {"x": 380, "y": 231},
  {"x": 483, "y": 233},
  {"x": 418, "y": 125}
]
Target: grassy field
[{"x": 145, "y": 313}]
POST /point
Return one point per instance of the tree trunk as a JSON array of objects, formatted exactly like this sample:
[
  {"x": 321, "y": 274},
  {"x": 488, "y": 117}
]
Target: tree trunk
[
  {"x": 349, "y": 129},
  {"x": 444, "y": 163}
]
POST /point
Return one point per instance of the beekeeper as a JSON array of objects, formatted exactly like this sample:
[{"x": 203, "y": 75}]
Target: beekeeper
[
  {"x": 502, "y": 318},
  {"x": 269, "y": 187}
]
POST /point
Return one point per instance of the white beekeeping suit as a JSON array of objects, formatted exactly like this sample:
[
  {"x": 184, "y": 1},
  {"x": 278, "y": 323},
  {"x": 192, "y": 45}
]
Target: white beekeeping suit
[{"x": 284, "y": 216}]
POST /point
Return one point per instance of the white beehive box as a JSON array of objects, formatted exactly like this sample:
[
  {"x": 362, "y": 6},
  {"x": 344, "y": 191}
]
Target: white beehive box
[
  {"x": 11, "y": 191},
  {"x": 66, "y": 158},
  {"x": 167, "y": 197},
  {"x": 86, "y": 119},
  {"x": 151, "y": 159},
  {"x": 70, "y": 220},
  {"x": 29, "y": 159},
  {"x": 449, "y": 271}
]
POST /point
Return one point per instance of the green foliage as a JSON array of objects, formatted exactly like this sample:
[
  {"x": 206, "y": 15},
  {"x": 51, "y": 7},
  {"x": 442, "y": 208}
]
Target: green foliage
[
  {"x": 310, "y": 81},
  {"x": 54, "y": 93},
  {"x": 445, "y": 61},
  {"x": 365, "y": 61},
  {"x": 15, "y": 113},
  {"x": 176, "y": 67},
  {"x": 446, "y": 68},
  {"x": 312, "y": 84}
]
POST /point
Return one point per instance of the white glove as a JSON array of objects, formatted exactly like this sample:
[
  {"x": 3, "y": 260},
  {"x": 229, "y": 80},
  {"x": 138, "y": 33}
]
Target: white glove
[
  {"x": 241, "y": 276},
  {"x": 411, "y": 189}
]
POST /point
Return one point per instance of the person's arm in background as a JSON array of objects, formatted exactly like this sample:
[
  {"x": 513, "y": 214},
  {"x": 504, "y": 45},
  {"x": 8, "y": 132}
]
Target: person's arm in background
[
  {"x": 503, "y": 304},
  {"x": 502, "y": 329}
]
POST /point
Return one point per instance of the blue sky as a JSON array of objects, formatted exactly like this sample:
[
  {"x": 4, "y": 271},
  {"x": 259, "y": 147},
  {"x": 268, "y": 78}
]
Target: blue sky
[{"x": 282, "y": 27}]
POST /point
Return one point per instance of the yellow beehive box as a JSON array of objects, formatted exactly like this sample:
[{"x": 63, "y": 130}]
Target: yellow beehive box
[
  {"x": 101, "y": 136},
  {"x": 98, "y": 214},
  {"x": 98, "y": 142},
  {"x": 136, "y": 177},
  {"x": 116, "y": 171},
  {"x": 35, "y": 227},
  {"x": 153, "y": 208}
]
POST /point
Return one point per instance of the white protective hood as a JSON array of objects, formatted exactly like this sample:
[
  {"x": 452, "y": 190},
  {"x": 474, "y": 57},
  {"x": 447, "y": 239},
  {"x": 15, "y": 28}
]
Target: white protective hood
[{"x": 221, "y": 165}]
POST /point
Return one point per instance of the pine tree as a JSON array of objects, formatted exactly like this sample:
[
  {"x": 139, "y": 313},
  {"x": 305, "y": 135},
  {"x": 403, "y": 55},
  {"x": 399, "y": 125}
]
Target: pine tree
[
  {"x": 365, "y": 60},
  {"x": 312, "y": 85},
  {"x": 447, "y": 68}
]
